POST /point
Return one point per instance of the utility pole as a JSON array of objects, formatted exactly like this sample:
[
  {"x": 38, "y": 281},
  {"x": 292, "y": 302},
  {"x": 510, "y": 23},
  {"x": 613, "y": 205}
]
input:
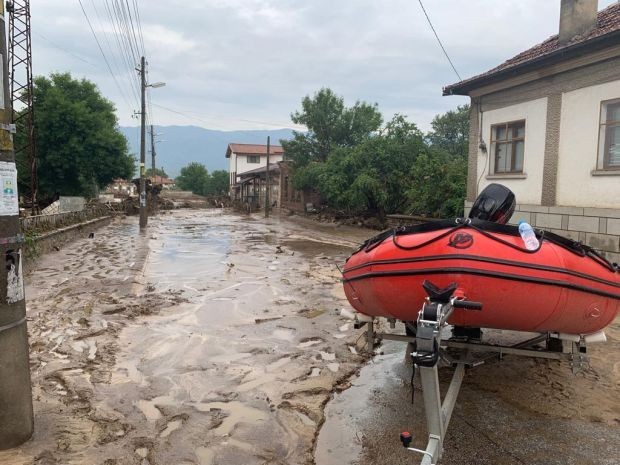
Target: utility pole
[
  {"x": 16, "y": 415},
  {"x": 22, "y": 92},
  {"x": 143, "y": 211},
  {"x": 153, "y": 176},
  {"x": 267, "y": 185},
  {"x": 152, "y": 151}
]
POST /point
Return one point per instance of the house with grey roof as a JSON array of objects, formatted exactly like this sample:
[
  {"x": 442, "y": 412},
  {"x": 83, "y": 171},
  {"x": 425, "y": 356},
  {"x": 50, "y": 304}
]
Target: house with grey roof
[{"x": 546, "y": 124}]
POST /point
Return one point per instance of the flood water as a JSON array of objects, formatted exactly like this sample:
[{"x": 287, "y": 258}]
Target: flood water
[{"x": 217, "y": 368}]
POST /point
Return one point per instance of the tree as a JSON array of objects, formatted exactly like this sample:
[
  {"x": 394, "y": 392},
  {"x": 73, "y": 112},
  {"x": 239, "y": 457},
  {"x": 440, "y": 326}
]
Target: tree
[
  {"x": 217, "y": 183},
  {"x": 439, "y": 177},
  {"x": 451, "y": 131},
  {"x": 79, "y": 146},
  {"x": 372, "y": 176},
  {"x": 158, "y": 172},
  {"x": 193, "y": 177},
  {"x": 438, "y": 185},
  {"x": 330, "y": 125}
]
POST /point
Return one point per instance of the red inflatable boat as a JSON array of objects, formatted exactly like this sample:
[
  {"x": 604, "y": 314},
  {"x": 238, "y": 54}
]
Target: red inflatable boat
[{"x": 563, "y": 286}]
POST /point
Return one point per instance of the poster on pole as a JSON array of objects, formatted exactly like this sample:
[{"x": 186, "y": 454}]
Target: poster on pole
[
  {"x": 1, "y": 82},
  {"x": 9, "y": 205}
]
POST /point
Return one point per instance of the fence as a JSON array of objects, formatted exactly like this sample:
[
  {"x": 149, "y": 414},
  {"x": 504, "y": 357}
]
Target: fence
[{"x": 44, "y": 223}]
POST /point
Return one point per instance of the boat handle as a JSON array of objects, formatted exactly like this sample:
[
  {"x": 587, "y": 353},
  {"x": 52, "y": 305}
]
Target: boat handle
[{"x": 467, "y": 305}]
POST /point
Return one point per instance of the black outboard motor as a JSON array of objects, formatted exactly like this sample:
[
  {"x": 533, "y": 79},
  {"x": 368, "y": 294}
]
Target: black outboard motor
[{"x": 495, "y": 203}]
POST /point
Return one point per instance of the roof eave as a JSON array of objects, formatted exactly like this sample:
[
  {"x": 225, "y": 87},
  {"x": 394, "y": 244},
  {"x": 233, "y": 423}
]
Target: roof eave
[{"x": 557, "y": 56}]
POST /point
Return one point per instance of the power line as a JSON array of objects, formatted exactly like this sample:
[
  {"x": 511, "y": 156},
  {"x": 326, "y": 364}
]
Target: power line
[
  {"x": 124, "y": 57},
  {"x": 197, "y": 118},
  {"x": 438, "y": 40},
  {"x": 67, "y": 51},
  {"x": 101, "y": 50},
  {"x": 110, "y": 49}
]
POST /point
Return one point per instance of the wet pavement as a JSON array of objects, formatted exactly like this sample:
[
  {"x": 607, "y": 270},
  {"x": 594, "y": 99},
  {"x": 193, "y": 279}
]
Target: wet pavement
[
  {"x": 510, "y": 413},
  {"x": 214, "y": 339}
]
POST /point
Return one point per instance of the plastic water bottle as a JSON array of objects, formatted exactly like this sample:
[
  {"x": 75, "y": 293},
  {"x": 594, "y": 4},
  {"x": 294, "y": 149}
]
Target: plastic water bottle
[{"x": 528, "y": 236}]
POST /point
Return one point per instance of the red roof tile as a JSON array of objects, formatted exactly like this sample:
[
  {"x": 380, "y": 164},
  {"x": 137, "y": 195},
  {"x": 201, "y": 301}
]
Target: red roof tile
[
  {"x": 253, "y": 149},
  {"x": 608, "y": 21}
]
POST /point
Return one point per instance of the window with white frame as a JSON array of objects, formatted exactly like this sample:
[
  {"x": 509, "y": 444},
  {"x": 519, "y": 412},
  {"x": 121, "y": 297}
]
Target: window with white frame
[
  {"x": 609, "y": 136},
  {"x": 253, "y": 159},
  {"x": 508, "y": 146}
]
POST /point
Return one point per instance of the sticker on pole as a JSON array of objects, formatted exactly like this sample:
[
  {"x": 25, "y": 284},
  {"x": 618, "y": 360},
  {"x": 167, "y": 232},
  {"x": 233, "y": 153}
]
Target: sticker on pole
[
  {"x": 15, "y": 278},
  {"x": 8, "y": 189}
]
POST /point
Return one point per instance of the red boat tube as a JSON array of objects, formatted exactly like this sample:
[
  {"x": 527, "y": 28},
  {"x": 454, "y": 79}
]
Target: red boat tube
[{"x": 563, "y": 286}]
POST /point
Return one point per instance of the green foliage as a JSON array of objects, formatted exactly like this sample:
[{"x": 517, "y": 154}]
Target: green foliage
[
  {"x": 79, "y": 147},
  {"x": 438, "y": 185},
  {"x": 451, "y": 131},
  {"x": 360, "y": 169},
  {"x": 195, "y": 177},
  {"x": 372, "y": 176},
  {"x": 158, "y": 172},
  {"x": 217, "y": 183},
  {"x": 330, "y": 125}
]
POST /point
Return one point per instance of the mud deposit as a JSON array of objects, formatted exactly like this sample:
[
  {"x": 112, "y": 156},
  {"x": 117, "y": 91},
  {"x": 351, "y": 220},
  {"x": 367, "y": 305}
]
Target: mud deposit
[{"x": 213, "y": 339}]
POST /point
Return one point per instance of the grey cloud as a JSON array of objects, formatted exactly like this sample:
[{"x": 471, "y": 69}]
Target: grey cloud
[{"x": 229, "y": 61}]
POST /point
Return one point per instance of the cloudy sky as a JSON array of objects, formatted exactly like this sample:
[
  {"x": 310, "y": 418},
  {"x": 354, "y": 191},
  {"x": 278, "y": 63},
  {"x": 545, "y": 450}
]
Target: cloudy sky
[{"x": 246, "y": 64}]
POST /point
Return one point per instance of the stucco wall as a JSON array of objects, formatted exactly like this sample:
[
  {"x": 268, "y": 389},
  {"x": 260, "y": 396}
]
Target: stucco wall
[
  {"x": 552, "y": 86},
  {"x": 242, "y": 164},
  {"x": 579, "y": 141},
  {"x": 527, "y": 187}
]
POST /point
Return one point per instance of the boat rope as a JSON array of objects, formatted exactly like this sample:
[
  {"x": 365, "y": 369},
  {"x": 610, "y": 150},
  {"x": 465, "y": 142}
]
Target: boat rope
[{"x": 485, "y": 228}]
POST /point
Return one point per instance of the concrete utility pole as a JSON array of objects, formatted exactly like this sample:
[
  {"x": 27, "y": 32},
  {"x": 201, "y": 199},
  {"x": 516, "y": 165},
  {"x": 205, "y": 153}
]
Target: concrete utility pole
[
  {"x": 267, "y": 186},
  {"x": 143, "y": 211},
  {"x": 152, "y": 151},
  {"x": 16, "y": 415}
]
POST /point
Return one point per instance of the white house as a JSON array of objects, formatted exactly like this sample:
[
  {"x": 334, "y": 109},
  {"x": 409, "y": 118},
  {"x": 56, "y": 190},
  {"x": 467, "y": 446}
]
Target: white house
[
  {"x": 546, "y": 124},
  {"x": 248, "y": 157}
]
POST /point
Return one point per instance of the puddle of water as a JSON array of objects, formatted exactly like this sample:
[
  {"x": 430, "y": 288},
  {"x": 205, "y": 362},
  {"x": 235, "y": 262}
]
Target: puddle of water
[{"x": 339, "y": 438}]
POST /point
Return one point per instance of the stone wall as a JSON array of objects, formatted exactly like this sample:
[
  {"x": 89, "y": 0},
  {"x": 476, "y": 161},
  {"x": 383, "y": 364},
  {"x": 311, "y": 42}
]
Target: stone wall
[
  {"x": 37, "y": 245},
  {"x": 596, "y": 227}
]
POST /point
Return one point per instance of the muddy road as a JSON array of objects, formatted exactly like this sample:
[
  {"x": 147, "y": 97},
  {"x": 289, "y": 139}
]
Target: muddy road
[{"x": 212, "y": 339}]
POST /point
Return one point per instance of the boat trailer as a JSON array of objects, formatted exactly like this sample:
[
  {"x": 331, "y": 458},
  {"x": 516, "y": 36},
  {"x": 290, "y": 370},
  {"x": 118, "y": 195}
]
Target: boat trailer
[{"x": 426, "y": 348}]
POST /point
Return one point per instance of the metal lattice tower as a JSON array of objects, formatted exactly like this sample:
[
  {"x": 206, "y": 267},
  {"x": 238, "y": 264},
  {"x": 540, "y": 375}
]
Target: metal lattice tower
[{"x": 22, "y": 96}]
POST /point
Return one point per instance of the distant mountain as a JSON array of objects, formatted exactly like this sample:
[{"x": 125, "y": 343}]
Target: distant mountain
[{"x": 184, "y": 144}]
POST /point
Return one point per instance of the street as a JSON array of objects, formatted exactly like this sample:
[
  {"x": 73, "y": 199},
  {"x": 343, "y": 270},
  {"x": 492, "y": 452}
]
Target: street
[{"x": 214, "y": 338}]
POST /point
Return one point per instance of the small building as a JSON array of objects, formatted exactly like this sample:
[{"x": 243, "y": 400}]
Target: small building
[
  {"x": 252, "y": 187},
  {"x": 164, "y": 182},
  {"x": 248, "y": 157},
  {"x": 546, "y": 124},
  {"x": 121, "y": 187}
]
